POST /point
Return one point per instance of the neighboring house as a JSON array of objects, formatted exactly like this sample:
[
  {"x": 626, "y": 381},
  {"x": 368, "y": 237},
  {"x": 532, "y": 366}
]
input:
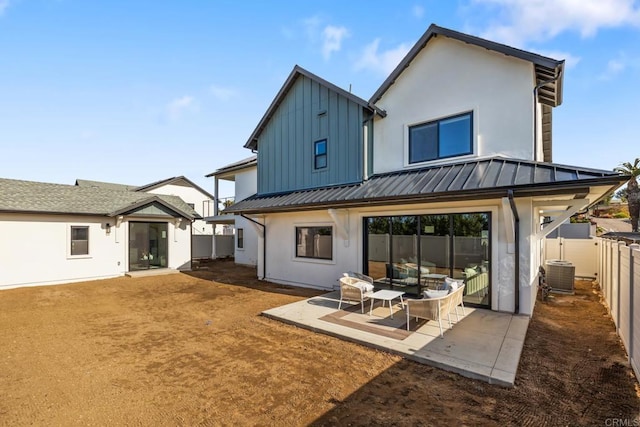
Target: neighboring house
[
  {"x": 445, "y": 170},
  {"x": 244, "y": 243},
  {"x": 195, "y": 196},
  {"x": 54, "y": 233}
]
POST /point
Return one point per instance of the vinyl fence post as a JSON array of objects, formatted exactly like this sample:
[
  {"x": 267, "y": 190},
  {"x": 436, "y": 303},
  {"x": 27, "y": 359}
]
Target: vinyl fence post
[{"x": 633, "y": 251}]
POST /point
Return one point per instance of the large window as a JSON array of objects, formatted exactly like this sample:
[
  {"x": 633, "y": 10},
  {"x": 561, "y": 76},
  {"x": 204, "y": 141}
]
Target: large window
[
  {"x": 320, "y": 154},
  {"x": 441, "y": 138},
  {"x": 240, "y": 238},
  {"x": 314, "y": 242},
  {"x": 415, "y": 252},
  {"x": 79, "y": 240}
]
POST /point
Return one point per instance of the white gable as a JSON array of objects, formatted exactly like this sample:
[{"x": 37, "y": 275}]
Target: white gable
[{"x": 449, "y": 77}]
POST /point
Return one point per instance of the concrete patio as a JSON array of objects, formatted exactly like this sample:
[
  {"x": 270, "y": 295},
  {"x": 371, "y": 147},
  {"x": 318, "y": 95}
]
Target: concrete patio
[{"x": 483, "y": 344}]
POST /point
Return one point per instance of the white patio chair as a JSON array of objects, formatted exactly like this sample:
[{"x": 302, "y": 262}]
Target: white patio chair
[{"x": 355, "y": 289}]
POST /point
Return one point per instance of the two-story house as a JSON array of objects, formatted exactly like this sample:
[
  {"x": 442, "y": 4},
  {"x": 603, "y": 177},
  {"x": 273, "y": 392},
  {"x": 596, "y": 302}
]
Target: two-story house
[
  {"x": 244, "y": 242},
  {"x": 445, "y": 170}
]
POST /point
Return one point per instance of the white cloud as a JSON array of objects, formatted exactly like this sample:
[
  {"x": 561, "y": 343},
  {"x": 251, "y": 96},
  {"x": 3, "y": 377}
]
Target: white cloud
[
  {"x": 538, "y": 20},
  {"x": 4, "y": 4},
  {"x": 332, "y": 39},
  {"x": 311, "y": 26},
  {"x": 381, "y": 62},
  {"x": 176, "y": 108},
  {"x": 222, "y": 93},
  {"x": 614, "y": 67},
  {"x": 417, "y": 11},
  {"x": 570, "y": 60}
]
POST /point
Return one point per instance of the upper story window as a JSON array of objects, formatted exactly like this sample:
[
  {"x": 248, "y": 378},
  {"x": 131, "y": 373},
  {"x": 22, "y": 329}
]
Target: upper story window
[
  {"x": 320, "y": 154},
  {"x": 449, "y": 137},
  {"x": 79, "y": 241}
]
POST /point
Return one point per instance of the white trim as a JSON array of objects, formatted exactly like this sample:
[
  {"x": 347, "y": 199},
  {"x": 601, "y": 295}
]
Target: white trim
[
  {"x": 237, "y": 231},
  {"x": 89, "y": 241}
]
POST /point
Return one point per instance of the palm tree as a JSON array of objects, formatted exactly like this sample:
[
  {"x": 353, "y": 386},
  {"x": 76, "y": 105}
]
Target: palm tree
[{"x": 633, "y": 192}]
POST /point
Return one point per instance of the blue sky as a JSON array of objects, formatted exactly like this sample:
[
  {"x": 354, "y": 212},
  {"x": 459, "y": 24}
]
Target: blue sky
[{"x": 137, "y": 91}]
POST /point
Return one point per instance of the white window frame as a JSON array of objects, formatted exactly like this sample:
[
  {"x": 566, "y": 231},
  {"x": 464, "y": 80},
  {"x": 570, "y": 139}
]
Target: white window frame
[
  {"x": 238, "y": 247},
  {"x": 69, "y": 245},
  {"x": 294, "y": 239}
]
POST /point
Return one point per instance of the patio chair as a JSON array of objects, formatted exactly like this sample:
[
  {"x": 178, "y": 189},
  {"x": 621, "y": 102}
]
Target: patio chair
[
  {"x": 430, "y": 309},
  {"x": 355, "y": 289},
  {"x": 457, "y": 300}
]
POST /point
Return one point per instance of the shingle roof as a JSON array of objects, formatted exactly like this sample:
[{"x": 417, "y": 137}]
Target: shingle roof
[
  {"x": 40, "y": 197},
  {"x": 177, "y": 180},
  {"x": 108, "y": 185},
  {"x": 477, "y": 179}
]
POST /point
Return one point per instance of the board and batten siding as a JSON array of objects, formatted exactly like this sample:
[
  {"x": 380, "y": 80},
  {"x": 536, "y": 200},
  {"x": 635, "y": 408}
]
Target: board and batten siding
[{"x": 310, "y": 112}]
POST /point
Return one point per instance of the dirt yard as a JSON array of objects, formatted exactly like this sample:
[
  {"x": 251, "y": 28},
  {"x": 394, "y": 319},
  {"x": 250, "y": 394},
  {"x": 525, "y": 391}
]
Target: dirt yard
[{"x": 194, "y": 350}]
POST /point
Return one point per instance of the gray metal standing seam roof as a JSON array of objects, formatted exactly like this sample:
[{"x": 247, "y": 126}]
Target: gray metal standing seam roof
[
  {"x": 477, "y": 179},
  {"x": 240, "y": 164},
  {"x": 40, "y": 197}
]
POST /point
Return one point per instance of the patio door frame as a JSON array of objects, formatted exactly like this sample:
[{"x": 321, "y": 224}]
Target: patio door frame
[
  {"x": 452, "y": 236},
  {"x": 162, "y": 257}
]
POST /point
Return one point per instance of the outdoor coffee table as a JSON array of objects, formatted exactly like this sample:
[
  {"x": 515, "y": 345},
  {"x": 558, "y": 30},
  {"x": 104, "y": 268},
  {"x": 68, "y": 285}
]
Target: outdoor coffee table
[{"x": 386, "y": 295}]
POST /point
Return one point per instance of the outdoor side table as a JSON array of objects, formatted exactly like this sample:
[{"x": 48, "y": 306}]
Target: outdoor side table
[{"x": 386, "y": 295}]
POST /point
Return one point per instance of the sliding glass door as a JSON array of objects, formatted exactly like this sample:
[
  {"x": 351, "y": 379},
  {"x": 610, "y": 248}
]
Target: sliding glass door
[
  {"x": 148, "y": 245},
  {"x": 411, "y": 252}
]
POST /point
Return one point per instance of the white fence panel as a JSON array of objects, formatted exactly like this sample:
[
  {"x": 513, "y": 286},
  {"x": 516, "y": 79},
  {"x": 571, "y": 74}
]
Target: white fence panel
[
  {"x": 552, "y": 249},
  {"x": 634, "y": 349},
  {"x": 615, "y": 285},
  {"x": 201, "y": 246},
  {"x": 582, "y": 253},
  {"x": 224, "y": 245},
  {"x": 606, "y": 277},
  {"x": 624, "y": 306}
]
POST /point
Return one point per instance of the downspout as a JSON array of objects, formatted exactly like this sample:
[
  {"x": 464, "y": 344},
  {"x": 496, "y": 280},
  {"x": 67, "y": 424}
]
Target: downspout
[
  {"x": 535, "y": 112},
  {"x": 516, "y": 239},
  {"x": 264, "y": 245}
]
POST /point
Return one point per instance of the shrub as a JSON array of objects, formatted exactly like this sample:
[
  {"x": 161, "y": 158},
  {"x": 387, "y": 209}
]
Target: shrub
[{"x": 621, "y": 215}]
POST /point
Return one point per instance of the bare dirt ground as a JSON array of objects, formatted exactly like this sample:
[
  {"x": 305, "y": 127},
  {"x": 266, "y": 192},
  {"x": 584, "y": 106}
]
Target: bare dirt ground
[{"x": 193, "y": 350}]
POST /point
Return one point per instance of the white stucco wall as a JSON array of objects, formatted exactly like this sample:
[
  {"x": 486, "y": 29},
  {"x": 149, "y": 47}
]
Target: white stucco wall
[
  {"x": 283, "y": 267},
  {"x": 246, "y": 183},
  {"x": 180, "y": 245},
  {"x": 249, "y": 254},
  {"x": 35, "y": 249},
  {"x": 450, "y": 77},
  {"x": 190, "y": 195}
]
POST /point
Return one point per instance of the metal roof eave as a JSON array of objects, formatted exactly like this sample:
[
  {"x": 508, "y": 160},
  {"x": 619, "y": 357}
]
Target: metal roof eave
[
  {"x": 530, "y": 190},
  {"x": 240, "y": 165}
]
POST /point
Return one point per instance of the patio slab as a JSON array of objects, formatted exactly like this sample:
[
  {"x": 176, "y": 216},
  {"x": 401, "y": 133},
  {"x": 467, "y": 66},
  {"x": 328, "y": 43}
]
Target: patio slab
[{"x": 483, "y": 344}]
